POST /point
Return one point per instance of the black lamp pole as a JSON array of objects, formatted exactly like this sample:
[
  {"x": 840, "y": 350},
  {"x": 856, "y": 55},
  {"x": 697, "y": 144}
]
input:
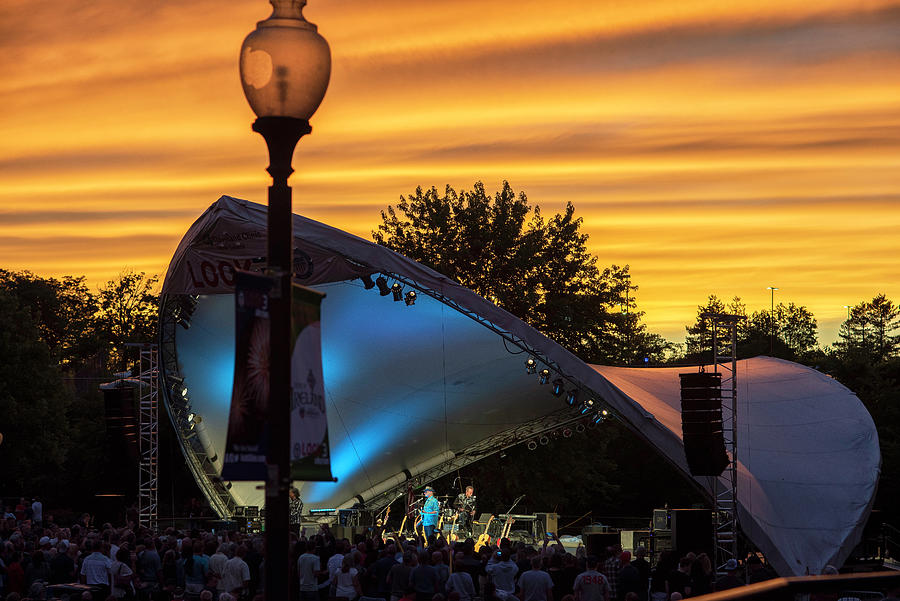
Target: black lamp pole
[{"x": 281, "y": 135}]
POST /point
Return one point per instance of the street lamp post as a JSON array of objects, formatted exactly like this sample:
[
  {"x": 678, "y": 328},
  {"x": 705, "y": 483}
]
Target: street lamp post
[
  {"x": 285, "y": 66},
  {"x": 772, "y": 322}
]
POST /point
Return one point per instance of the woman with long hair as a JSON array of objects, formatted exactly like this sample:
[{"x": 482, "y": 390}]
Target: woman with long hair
[{"x": 347, "y": 581}]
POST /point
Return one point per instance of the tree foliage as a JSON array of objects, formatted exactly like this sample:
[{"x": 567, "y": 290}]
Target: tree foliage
[
  {"x": 536, "y": 268},
  {"x": 128, "y": 311},
  {"x": 33, "y": 403}
]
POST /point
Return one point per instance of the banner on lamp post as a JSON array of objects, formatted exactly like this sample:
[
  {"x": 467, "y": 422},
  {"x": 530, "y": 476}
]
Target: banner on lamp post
[
  {"x": 247, "y": 441},
  {"x": 310, "y": 453}
]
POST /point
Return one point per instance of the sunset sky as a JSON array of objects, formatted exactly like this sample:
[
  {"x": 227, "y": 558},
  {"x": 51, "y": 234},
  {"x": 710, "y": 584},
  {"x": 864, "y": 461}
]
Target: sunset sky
[{"x": 716, "y": 147}]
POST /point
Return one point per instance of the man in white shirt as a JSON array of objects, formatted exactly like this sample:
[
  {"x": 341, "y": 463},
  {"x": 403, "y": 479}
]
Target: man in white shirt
[
  {"x": 536, "y": 584},
  {"x": 309, "y": 566},
  {"x": 503, "y": 571},
  {"x": 216, "y": 566},
  {"x": 95, "y": 568},
  {"x": 37, "y": 512},
  {"x": 236, "y": 573}
]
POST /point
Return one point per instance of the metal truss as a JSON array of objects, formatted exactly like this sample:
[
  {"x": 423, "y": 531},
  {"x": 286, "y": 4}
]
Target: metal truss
[
  {"x": 480, "y": 450},
  {"x": 724, "y": 488},
  {"x": 148, "y": 436}
]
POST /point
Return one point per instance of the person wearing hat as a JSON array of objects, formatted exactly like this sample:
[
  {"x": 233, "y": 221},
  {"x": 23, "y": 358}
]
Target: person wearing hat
[
  {"x": 430, "y": 512},
  {"x": 731, "y": 579}
]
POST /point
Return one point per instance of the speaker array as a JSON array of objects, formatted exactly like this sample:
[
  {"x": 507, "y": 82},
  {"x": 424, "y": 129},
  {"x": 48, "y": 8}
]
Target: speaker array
[{"x": 701, "y": 423}]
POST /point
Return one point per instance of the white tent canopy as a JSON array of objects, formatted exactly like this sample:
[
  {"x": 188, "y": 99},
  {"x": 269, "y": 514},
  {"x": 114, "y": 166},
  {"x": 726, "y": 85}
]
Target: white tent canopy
[{"x": 416, "y": 391}]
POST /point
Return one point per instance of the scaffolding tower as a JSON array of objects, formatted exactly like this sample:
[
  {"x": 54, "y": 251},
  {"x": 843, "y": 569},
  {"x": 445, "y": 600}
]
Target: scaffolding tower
[
  {"x": 148, "y": 436},
  {"x": 723, "y": 327}
]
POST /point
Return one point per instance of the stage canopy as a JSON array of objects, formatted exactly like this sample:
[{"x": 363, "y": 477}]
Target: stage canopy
[{"x": 417, "y": 391}]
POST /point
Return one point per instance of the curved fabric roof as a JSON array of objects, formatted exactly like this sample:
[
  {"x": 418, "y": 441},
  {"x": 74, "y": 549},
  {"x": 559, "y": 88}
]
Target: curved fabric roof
[{"x": 420, "y": 390}]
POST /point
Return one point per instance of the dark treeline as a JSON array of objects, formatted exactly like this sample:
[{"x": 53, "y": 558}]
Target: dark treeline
[{"x": 60, "y": 340}]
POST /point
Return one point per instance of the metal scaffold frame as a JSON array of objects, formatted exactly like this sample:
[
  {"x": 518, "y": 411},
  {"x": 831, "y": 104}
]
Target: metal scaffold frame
[
  {"x": 148, "y": 428},
  {"x": 723, "y": 327}
]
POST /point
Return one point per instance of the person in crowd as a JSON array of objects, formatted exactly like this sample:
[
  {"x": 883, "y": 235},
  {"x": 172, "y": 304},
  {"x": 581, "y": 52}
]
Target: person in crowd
[
  {"x": 95, "y": 568},
  {"x": 121, "y": 574},
  {"x": 398, "y": 576},
  {"x": 460, "y": 582},
  {"x": 236, "y": 573},
  {"x": 591, "y": 585},
  {"x": 38, "y": 570},
  {"x": 679, "y": 579},
  {"x": 442, "y": 571},
  {"x": 503, "y": 573},
  {"x": 216, "y": 566},
  {"x": 424, "y": 578},
  {"x": 732, "y": 577},
  {"x": 380, "y": 571},
  {"x": 347, "y": 583},
  {"x": 62, "y": 566},
  {"x": 611, "y": 568},
  {"x": 309, "y": 568},
  {"x": 629, "y": 577},
  {"x": 643, "y": 567},
  {"x": 536, "y": 584},
  {"x": 702, "y": 576},
  {"x": 193, "y": 569}
]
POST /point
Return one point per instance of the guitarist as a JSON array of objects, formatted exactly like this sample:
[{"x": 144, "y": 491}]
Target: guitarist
[
  {"x": 465, "y": 507},
  {"x": 430, "y": 512}
]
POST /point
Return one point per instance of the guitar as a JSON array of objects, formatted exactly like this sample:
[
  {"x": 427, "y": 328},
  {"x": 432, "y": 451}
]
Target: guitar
[
  {"x": 485, "y": 538},
  {"x": 506, "y": 528},
  {"x": 382, "y": 523}
]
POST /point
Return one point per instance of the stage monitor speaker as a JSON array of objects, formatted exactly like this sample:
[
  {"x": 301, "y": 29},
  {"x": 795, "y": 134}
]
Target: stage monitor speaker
[
  {"x": 546, "y": 522},
  {"x": 701, "y": 423},
  {"x": 596, "y": 544},
  {"x": 692, "y": 531},
  {"x": 660, "y": 519}
]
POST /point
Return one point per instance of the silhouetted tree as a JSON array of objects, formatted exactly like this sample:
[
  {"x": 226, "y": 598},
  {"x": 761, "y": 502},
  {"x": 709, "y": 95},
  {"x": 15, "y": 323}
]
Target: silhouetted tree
[
  {"x": 537, "y": 269},
  {"x": 128, "y": 312}
]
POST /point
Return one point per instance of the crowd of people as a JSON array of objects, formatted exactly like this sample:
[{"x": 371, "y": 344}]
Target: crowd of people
[{"x": 41, "y": 560}]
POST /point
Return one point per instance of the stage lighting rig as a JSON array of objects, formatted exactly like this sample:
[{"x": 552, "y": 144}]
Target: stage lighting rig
[
  {"x": 397, "y": 291},
  {"x": 544, "y": 440},
  {"x": 545, "y": 376},
  {"x": 587, "y": 406},
  {"x": 572, "y": 397},
  {"x": 410, "y": 298},
  {"x": 531, "y": 445},
  {"x": 558, "y": 387},
  {"x": 383, "y": 288},
  {"x": 367, "y": 281},
  {"x": 530, "y": 365}
]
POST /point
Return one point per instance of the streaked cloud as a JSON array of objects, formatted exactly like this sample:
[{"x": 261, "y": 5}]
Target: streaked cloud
[{"x": 715, "y": 147}]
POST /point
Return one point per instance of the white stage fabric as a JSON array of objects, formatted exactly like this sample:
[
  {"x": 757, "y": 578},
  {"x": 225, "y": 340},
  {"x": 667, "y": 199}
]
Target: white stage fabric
[{"x": 807, "y": 449}]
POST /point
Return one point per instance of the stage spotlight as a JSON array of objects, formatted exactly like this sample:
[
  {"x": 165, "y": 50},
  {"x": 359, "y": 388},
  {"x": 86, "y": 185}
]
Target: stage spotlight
[
  {"x": 410, "y": 298},
  {"x": 530, "y": 365},
  {"x": 544, "y": 440},
  {"x": 579, "y": 428},
  {"x": 545, "y": 376},
  {"x": 397, "y": 291},
  {"x": 531, "y": 445},
  {"x": 558, "y": 387},
  {"x": 367, "y": 281},
  {"x": 184, "y": 392},
  {"x": 383, "y": 288},
  {"x": 600, "y": 417},
  {"x": 572, "y": 397},
  {"x": 191, "y": 417},
  {"x": 604, "y": 412},
  {"x": 567, "y": 432}
]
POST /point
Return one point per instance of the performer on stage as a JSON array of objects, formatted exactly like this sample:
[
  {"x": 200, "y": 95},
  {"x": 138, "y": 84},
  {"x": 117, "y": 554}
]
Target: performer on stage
[
  {"x": 430, "y": 512},
  {"x": 465, "y": 505},
  {"x": 296, "y": 508}
]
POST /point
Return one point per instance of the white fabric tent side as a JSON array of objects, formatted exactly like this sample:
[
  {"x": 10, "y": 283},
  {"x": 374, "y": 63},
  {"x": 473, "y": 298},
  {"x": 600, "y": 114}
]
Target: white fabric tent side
[
  {"x": 791, "y": 457},
  {"x": 808, "y": 458}
]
